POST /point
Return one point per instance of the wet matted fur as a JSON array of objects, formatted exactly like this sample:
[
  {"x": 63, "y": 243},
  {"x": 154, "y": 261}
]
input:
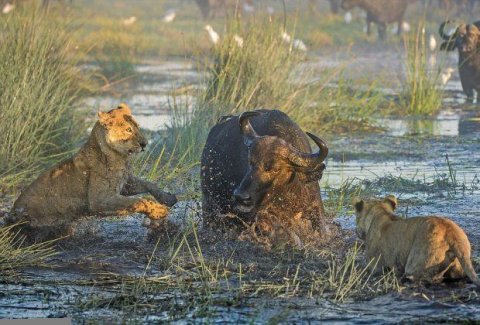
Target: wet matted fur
[
  {"x": 419, "y": 248},
  {"x": 95, "y": 181}
]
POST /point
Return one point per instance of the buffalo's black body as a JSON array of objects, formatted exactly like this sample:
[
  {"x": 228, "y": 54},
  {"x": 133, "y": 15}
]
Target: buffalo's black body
[
  {"x": 225, "y": 162},
  {"x": 466, "y": 40}
]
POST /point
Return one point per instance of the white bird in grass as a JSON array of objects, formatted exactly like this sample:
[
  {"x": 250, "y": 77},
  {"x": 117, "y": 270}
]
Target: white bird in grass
[
  {"x": 213, "y": 34},
  {"x": 432, "y": 43},
  {"x": 348, "y": 17},
  {"x": 446, "y": 75},
  {"x": 299, "y": 45},
  {"x": 287, "y": 38},
  {"x": 405, "y": 28},
  {"x": 248, "y": 8},
  {"x": 7, "y": 8},
  {"x": 130, "y": 21},
  {"x": 296, "y": 43},
  {"x": 270, "y": 10},
  {"x": 238, "y": 40},
  {"x": 170, "y": 16}
]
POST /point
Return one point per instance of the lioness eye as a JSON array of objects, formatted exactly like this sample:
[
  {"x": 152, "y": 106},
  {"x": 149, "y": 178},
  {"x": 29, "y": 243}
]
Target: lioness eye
[{"x": 129, "y": 130}]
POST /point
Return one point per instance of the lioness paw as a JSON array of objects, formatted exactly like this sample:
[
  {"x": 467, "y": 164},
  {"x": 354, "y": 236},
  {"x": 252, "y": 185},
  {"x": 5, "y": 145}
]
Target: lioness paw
[{"x": 154, "y": 209}]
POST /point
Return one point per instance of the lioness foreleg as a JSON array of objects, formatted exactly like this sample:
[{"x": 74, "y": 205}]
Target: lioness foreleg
[
  {"x": 121, "y": 205},
  {"x": 135, "y": 186}
]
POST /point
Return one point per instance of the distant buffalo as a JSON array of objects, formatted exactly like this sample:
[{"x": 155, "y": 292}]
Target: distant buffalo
[
  {"x": 263, "y": 174},
  {"x": 380, "y": 12},
  {"x": 217, "y": 8},
  {"x": 466, "y": 40}
]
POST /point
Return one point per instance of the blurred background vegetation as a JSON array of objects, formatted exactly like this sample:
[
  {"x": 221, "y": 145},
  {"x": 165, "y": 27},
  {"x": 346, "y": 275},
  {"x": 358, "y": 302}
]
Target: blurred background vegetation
[{"x": 54, "y": 56}]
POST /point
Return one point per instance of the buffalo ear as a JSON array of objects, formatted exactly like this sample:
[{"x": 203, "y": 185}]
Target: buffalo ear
[
  {"x": 103, "y": 118},
  {"x": 448, "y": 46},
  {"x": 358, "y": 204},
  {"x": 392, "y": 200}
]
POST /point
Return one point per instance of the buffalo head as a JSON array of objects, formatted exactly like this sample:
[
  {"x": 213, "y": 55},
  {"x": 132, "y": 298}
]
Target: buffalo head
[
  {"x": 273, "y": 165},
  {"x": 465, "y": 38}
]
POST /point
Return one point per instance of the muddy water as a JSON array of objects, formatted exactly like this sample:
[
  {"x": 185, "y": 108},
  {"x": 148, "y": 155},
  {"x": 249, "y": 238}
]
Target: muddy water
[{"x": 415, "y": 149}]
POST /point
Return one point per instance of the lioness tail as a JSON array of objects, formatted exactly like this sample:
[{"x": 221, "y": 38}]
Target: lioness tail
[{"x": 464, "y": 259}]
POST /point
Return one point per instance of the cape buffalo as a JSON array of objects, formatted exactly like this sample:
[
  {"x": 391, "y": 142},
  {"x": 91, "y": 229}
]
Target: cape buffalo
[
  {"x": 380, "y": 12},
  {"x": 466, "y": 41},
  {"x": 263, "y": 174}
]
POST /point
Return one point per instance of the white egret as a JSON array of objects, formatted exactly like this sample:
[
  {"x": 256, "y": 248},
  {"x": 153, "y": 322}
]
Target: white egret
[
  {"x": 213, "y": 34},
  {"x": 446, "y": 75},
  {"x": 348, "y": 17},
  {"x": 8, "y": 7},
  {"x": 432, "y": 43},
  {"x": 238, "y": 40},
  {"x": 130, "y": 21},
  {"x": 170, "y": 16}
]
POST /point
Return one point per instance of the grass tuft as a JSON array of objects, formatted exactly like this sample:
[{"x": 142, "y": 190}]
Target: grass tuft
[
  {"x": 422, "y": 94},
  {"x": 38, "y": 91},
  {"x": 267, "y": 72},
  {"x": 15, "y": 255}
]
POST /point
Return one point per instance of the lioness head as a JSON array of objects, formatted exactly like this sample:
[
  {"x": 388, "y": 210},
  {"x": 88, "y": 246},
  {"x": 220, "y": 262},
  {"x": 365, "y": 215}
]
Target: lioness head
[
  {"x": 122, "y": 132},
  {"x": 368, "y": 211}
]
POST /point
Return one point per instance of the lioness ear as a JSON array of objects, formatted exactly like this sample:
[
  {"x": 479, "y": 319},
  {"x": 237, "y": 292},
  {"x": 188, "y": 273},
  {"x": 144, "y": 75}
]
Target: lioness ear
[
  {"x": 103, "y": 118},
  {"x": 125, "y": 108},
  {"x": 358, "y": 204},
  {"x": 392, "y": 200}
]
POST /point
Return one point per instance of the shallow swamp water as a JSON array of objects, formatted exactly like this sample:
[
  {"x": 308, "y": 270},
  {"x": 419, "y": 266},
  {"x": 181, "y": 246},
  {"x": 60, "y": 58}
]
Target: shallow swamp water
[{"x": 116, "y": 272}]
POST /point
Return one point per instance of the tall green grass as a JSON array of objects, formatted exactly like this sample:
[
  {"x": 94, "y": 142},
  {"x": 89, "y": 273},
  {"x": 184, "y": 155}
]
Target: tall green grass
[
  {"x": 38, "y": 90},
  {"x": 422, "y": 94},
  {"x": 266, "y": 72}
]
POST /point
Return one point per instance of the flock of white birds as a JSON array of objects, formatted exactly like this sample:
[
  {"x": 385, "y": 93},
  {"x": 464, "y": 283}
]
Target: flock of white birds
[{"x": 294, "y": 43}]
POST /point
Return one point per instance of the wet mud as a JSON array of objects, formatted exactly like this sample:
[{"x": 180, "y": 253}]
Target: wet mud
[{"x": 114, "y": 270}]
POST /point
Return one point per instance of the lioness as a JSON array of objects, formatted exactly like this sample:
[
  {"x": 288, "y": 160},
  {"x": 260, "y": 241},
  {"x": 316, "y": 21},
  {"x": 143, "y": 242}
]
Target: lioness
[
  {"x": 420, "y": 248},
  {"x": 96, "y": 181}
]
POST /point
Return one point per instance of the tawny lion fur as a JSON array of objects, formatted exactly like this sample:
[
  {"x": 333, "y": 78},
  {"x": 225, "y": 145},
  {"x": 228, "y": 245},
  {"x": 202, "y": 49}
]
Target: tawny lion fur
[
  {"x": 96, "y": 181},
  {"x": 420, "y": 248}
]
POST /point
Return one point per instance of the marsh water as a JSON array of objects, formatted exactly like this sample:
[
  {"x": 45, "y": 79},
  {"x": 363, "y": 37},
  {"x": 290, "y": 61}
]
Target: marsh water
[{"x": 432, "y": 165}]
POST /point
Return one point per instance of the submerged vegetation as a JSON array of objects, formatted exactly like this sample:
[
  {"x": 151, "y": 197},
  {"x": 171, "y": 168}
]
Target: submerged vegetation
[{"x": 14, "y": 254}]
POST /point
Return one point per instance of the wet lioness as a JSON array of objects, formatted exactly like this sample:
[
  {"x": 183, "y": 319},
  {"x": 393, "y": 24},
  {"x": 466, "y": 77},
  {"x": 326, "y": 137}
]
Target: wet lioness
[
  {"x": 96, "y": 181},
  {"x": 421, "y": 248}
]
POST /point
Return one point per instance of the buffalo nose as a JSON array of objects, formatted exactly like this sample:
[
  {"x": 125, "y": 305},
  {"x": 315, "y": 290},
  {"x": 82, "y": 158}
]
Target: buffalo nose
[{"x": 241, "y": 196}]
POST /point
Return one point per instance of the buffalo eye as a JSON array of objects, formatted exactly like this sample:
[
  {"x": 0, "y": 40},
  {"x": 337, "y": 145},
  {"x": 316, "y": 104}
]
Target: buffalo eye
[{"x": 272, "y": 169}]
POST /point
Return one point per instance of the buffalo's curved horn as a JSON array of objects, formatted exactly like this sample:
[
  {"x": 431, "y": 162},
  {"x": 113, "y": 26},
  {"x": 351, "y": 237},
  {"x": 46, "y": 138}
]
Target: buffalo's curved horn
[
  {"x": 310, "y": 161},
  {"x": 442, "y": 32},
  {"x": 246, "y": 128}
]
